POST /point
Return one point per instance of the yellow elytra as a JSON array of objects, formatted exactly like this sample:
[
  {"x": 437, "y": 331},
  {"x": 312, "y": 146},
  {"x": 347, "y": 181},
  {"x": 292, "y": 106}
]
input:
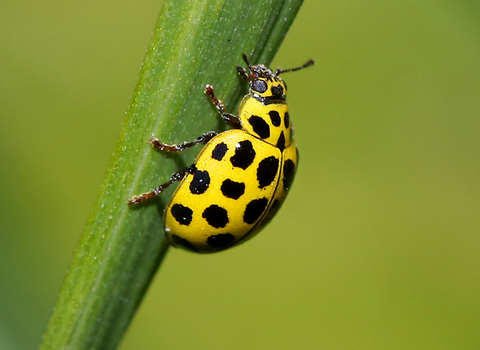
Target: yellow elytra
[{"x": 241, "y": 176}]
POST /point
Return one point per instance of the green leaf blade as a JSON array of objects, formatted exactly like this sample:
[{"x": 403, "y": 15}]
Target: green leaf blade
[{"x": 194, "y": 43}]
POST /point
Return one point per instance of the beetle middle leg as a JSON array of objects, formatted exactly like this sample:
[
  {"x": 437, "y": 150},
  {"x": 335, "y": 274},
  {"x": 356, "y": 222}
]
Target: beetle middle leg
[{"x": 204, "y": 138}]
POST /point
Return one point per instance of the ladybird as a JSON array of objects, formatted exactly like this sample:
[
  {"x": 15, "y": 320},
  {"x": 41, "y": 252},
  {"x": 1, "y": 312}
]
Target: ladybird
[{"x": 241, "y": 176}]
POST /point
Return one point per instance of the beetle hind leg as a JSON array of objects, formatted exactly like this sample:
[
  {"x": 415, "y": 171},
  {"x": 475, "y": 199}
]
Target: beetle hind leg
[{"x": 179, "y": 175}]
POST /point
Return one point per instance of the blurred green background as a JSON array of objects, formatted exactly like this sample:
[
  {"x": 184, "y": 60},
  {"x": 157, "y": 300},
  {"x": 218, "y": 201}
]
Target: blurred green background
[{"x": 377, "y": 246}]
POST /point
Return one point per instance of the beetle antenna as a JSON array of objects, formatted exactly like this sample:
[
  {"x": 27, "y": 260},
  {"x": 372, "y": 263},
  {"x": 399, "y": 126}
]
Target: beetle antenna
[
  {"x": 245, "y": 58},
  {"x": 307, "y": 64},
  {"x": 242, "y": 71}
]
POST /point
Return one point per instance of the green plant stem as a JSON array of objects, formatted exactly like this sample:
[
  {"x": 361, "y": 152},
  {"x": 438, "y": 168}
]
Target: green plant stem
[{"x": 195, "y": 42}]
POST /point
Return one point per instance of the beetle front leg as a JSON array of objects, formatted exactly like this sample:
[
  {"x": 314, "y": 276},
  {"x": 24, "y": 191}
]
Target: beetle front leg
[{"x": 231, "y": 119}]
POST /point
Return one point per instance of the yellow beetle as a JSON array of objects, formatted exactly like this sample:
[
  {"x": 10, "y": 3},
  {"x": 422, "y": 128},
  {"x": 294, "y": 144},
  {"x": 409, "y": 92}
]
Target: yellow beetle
[{"x": 241, "y": 176}]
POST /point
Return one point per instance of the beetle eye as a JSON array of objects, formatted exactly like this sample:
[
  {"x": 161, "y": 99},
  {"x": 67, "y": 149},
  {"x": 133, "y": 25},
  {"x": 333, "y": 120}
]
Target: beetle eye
[{"x": 259, "y": 86}]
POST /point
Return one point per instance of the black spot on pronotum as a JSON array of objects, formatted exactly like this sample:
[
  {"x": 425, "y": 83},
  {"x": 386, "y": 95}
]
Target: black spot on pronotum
[
  {"x": 275, "y": 118},
  {"x": 277, "y": 91},
  {"x": 221, "y": 240},
  {"x": 288, "y": 174},
  {"x": 183, "y": 243},
  {"x": 260, "y": 126},
  {"x": 267, "y": 169},
  {"x": 244, "y": 155},
  {"x": 182, "y": 214},
  {"x": 254, "y": 210},
  {"x": 232, "y": 189},
  {"x": 287, "y": 120},
  {"x": 200, "y": 182},
  {"x": 216, "y": 216},
  {"x": 281, "y": 142},
  {"x": 219, "y": 151}
]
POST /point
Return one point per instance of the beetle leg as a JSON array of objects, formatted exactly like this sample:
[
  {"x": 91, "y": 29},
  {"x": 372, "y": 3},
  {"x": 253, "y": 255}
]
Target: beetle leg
[
  {"x": 204, "y": 138},
  {"x": 179, "y": 175},
  {"x": 229, "y": 118}
]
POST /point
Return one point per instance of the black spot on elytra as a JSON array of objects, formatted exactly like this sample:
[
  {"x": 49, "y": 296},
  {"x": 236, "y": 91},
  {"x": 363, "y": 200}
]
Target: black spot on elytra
[
  {"x": 183, "y": 243},
  {"x": 267, "y": 169},
  {"x": 260, "y": 126},
  {"x": 219, "y": 151},
  {"x": 232, "y": 189},
  {"x": 287, "y": 120},
  {"x": 288, "y": 174},
  {"x": 281, "y": 142},
  {"x": 182, "y": 214},
  {"x": 221, "y": 240},
  {"x": 275, "y": 118},
  {"x": 244, "y": 155},
  {"x": 200, "y": 182},
  {"x": 254, "y": 210},
  {"x": 216, "y": 216}
]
